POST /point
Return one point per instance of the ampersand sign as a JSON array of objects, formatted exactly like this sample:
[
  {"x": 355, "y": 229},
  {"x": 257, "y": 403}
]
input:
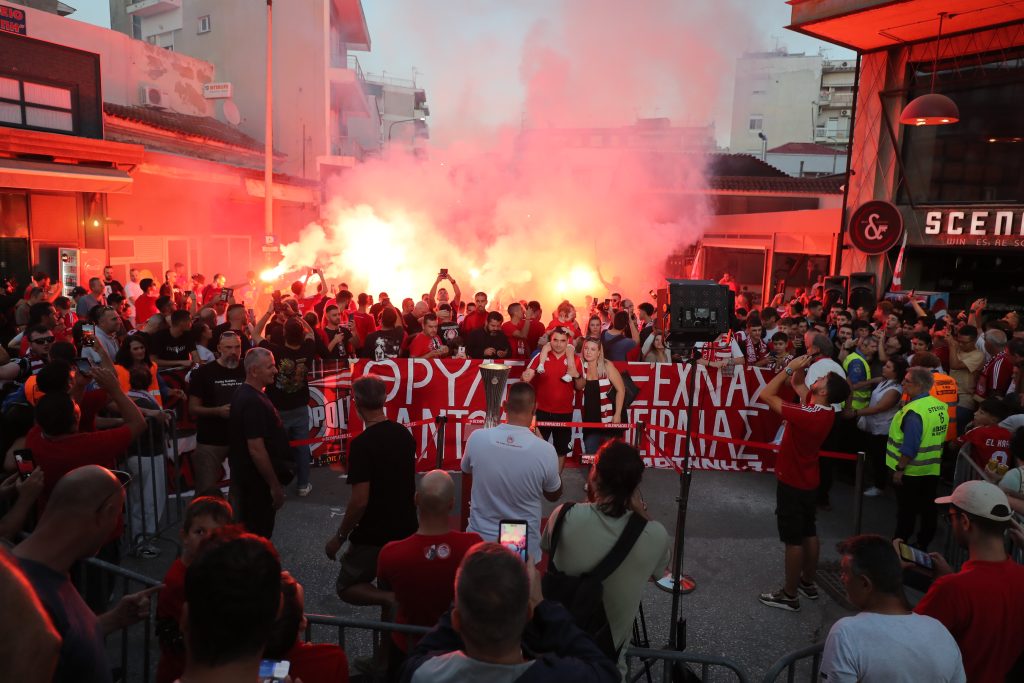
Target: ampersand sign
[{"x": 875, "y": 227}]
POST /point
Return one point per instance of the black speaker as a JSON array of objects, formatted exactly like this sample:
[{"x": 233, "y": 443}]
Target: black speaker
[
  {"x": 699, "y": 310},
  {"x": 835, "y": 291},
  {"x": 863, "y": 291}
]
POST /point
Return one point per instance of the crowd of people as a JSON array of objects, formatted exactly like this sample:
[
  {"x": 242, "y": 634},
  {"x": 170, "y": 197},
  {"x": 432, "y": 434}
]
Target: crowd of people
[{"x": 90, "y": 372}]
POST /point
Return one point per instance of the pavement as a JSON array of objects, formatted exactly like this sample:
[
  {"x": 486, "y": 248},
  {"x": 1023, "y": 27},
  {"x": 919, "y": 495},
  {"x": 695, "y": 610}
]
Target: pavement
[{"x": 731, "y": 550}]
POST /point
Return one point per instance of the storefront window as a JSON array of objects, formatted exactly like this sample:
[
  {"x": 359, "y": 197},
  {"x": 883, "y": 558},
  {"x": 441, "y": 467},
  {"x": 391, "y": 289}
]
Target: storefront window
[
  {"x": 746, "y": 266},
  {"x": 791, "y": 272},
  {"x": 980, "y": 158}
]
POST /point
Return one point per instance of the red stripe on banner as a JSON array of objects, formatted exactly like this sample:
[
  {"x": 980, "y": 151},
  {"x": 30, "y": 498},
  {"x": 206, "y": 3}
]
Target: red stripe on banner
[{"x": 752, "y": 444}]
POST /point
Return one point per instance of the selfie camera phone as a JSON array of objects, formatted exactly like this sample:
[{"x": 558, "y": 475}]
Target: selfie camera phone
[
  {"x": 273, "y": 671},
  {"x": 918, "y": 557},
  {"x": 24, "y": 462},
  {"x": 225, "y": 293},
  {"x": 444, "y": 272},
  {"x": 83, "y": 366},
  {"x": 512, "y": 533}
]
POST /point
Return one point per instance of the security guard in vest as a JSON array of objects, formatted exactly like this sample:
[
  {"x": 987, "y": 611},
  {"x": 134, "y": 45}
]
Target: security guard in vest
[
  {"x": 914, "y": 453},
  {"x": 944, "y": 387},
  {"x": 857, "y": 367}
]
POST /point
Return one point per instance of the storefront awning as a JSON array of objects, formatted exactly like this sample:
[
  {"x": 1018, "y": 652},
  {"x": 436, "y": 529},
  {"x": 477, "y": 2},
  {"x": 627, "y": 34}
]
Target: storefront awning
[{"x": 41, "y": 175}]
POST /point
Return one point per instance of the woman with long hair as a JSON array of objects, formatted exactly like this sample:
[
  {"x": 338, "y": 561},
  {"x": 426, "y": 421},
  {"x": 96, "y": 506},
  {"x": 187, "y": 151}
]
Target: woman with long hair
[
  {"x": 599, "y": 405},
  {"x": 656, "y": 351},
  {"x": 876, "y": 419},
  {"x": 202, "y": 333},
  {"x": 593, "y": 332},
  {"x": 134, "y": 352}
]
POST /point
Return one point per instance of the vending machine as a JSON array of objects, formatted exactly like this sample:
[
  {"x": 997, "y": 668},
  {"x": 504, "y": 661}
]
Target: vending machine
[{"x": 76, "y": 266}]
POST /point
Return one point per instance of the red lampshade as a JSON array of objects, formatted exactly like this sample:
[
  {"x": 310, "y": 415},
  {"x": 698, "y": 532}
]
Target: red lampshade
[{"x": 932, "y": 109}]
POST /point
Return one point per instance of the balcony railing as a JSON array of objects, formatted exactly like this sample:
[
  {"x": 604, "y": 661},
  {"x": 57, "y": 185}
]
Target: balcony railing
[
  {"x": 346, "y": 147},
  {"x": 148, "y": 8}
]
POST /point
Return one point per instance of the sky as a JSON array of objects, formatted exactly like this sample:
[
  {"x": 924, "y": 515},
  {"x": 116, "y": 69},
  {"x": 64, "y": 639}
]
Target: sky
[{"x": 477, "y": 59}]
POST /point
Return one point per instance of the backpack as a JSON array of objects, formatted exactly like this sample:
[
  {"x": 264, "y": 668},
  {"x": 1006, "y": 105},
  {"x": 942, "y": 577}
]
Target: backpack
[{"x": 583, "y": 595}]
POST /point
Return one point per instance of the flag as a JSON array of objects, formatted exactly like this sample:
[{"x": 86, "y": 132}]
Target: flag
[{"x": 897, "y": 272}]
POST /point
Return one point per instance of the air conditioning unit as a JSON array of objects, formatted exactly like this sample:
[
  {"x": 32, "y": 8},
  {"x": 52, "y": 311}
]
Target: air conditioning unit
[
  {"x": 152, "y": 96},
  {"x": 844, "y": 112}
]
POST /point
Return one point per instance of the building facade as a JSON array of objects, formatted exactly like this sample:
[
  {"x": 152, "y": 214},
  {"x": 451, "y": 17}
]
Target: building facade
[
  {"x": 780, "y": 97},
  {"x": 957, "y": 189},
  {"x": 325, "y": 117},
  {"x": 110, "y": 152}
]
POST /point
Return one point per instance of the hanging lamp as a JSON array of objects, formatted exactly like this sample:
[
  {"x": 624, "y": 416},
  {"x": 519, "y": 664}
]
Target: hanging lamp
[{"x": 933, "y": 109}]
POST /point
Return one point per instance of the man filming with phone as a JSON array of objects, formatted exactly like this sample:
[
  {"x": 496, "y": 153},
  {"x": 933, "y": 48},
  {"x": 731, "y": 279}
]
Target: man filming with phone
[{"x": 439, "y": 295}]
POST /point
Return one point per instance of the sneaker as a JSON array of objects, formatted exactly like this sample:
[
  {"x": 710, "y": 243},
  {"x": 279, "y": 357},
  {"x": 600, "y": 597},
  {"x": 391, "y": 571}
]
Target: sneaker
[
  {"x": 807, "y": 590},
  {"x": 304, "y": 490},
  {"x": 147, "y": 552},
  {"x": 781, "y": 600},
  {"x": 872, "y": 492}
]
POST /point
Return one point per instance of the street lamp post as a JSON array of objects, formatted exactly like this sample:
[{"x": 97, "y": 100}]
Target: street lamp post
[
  {"x": 764, "y": 145},
  {"x": 392, "y": 124}
]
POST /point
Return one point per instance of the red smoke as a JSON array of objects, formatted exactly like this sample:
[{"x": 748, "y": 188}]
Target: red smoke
[{"x": 524, "y": 210}]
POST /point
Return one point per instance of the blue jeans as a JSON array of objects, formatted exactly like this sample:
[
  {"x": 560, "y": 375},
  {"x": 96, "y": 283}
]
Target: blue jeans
[
  {"x": 296, "y": 424},
  {"x": 593, "y": 440}
]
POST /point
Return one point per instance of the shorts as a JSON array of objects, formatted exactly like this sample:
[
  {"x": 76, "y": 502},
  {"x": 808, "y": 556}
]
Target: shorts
[
  {"x": 561, "y": 437},
  {"x": 358, "y": 565},
  {"x": 795, "y": 511}
]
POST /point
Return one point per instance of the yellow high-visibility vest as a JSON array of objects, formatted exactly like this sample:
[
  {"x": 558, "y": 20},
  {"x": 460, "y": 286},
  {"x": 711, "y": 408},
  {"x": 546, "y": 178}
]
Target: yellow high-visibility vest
[{"x": 934, "y": 421}]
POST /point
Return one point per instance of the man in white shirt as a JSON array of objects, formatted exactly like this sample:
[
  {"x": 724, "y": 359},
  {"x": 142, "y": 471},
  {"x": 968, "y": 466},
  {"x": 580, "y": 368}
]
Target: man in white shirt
[
  {"x": 885, "y": 642},
  {"x": 131, "y": 291},
  {"x": 512, "y": 468},
  {"x": 105, "y": 330}
]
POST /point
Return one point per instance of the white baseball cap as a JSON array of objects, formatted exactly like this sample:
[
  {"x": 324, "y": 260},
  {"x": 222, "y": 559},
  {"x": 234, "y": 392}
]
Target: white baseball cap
[{"x": 980, "y": 499}]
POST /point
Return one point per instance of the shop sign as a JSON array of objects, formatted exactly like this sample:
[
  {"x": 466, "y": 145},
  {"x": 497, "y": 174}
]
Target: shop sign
[
  {"x": 216, "y": 91},
  {"x": 972, "y": 227},
  {"x": 12, "y": 20},
  {"x": 876, "y": 227}
]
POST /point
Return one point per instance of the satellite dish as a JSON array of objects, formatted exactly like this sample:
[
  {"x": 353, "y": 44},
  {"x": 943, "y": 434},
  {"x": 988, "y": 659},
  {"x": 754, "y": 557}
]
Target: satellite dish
[{"x": 231, "y": 113}]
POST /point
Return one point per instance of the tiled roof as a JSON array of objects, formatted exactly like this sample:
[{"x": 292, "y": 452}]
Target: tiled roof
[
  {"x": 805, "y": 148},
  {"x": 741, "y": 165},
  {"x": 198, "y": 126},
  {"x": 785, "y": 185}
]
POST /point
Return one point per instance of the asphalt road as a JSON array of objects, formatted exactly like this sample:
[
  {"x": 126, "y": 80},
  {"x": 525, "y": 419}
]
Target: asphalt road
[{"x": 731, "y": 549}]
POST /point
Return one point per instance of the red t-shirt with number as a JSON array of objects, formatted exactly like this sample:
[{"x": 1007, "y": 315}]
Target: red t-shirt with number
[
  {"x": 990, "y": 442},
  {"x": 553, "y": 394},
  {"x": 518, "y": 345},
  {"x": 806, "y": 428}
]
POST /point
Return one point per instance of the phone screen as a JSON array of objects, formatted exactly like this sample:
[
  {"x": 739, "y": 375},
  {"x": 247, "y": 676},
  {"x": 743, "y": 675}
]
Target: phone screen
[
  {"x": 83, "y": 366},
  {"x": 273, "y": 671},
  {"x": 918, "y": 557},
  {"x": 512, "y": 533},
  {"x": 25, "y": 464},
  {"x": 225, "y": 293}
]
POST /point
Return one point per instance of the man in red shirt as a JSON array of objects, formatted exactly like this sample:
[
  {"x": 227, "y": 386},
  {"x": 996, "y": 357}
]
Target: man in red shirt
[
  {"x": 517, "y": 329},
  {"x": 806, "y": 428},
  {"x": 427, "y": 344},
  {"x": 982, "y": 605},
  {"x": 555, "y": 390},
  {"x": 420, "y": 569},
  {"x": 145, "y": 303},
  {"x": 997, "y": 373},
  {"x": 57, "y": 445},
  {"x": 537, "y": 329},
  {"x": 364, "y": 323},
  {"x": 478, "y": 318}
]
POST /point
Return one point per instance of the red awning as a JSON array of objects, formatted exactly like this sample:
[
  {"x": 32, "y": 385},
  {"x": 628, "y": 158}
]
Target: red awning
[{"x": 41, "y": 175}]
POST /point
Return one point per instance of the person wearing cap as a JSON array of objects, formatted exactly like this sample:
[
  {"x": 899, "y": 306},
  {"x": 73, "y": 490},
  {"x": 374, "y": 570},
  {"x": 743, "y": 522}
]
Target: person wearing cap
[
  {"x": 914, "y": 453},
  {"x": 982, "y": 605}
]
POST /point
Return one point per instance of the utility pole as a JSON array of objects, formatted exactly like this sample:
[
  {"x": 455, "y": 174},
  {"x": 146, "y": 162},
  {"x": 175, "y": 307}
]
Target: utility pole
[{"x": 268, "y": 146}]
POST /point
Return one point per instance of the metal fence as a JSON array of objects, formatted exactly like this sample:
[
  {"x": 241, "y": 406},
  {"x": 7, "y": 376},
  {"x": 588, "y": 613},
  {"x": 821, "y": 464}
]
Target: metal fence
[
  {"x": 151, "y": 510},
  {"x": 808, "y": 659},
  {"x": 102, "y": 585}
]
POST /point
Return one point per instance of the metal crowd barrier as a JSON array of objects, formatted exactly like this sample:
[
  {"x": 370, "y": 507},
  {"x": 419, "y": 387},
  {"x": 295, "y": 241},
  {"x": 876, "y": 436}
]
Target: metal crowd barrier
[
  {"x": 150, "y": 510},
  {"x": 790, "y": 663},
  {"x": 131, "y": 654},
  {"x": 708, "y": 664}
]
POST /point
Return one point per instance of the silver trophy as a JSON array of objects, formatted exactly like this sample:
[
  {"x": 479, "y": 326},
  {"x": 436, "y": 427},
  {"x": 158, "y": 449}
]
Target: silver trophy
[{"x": 494, "y": 376}]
